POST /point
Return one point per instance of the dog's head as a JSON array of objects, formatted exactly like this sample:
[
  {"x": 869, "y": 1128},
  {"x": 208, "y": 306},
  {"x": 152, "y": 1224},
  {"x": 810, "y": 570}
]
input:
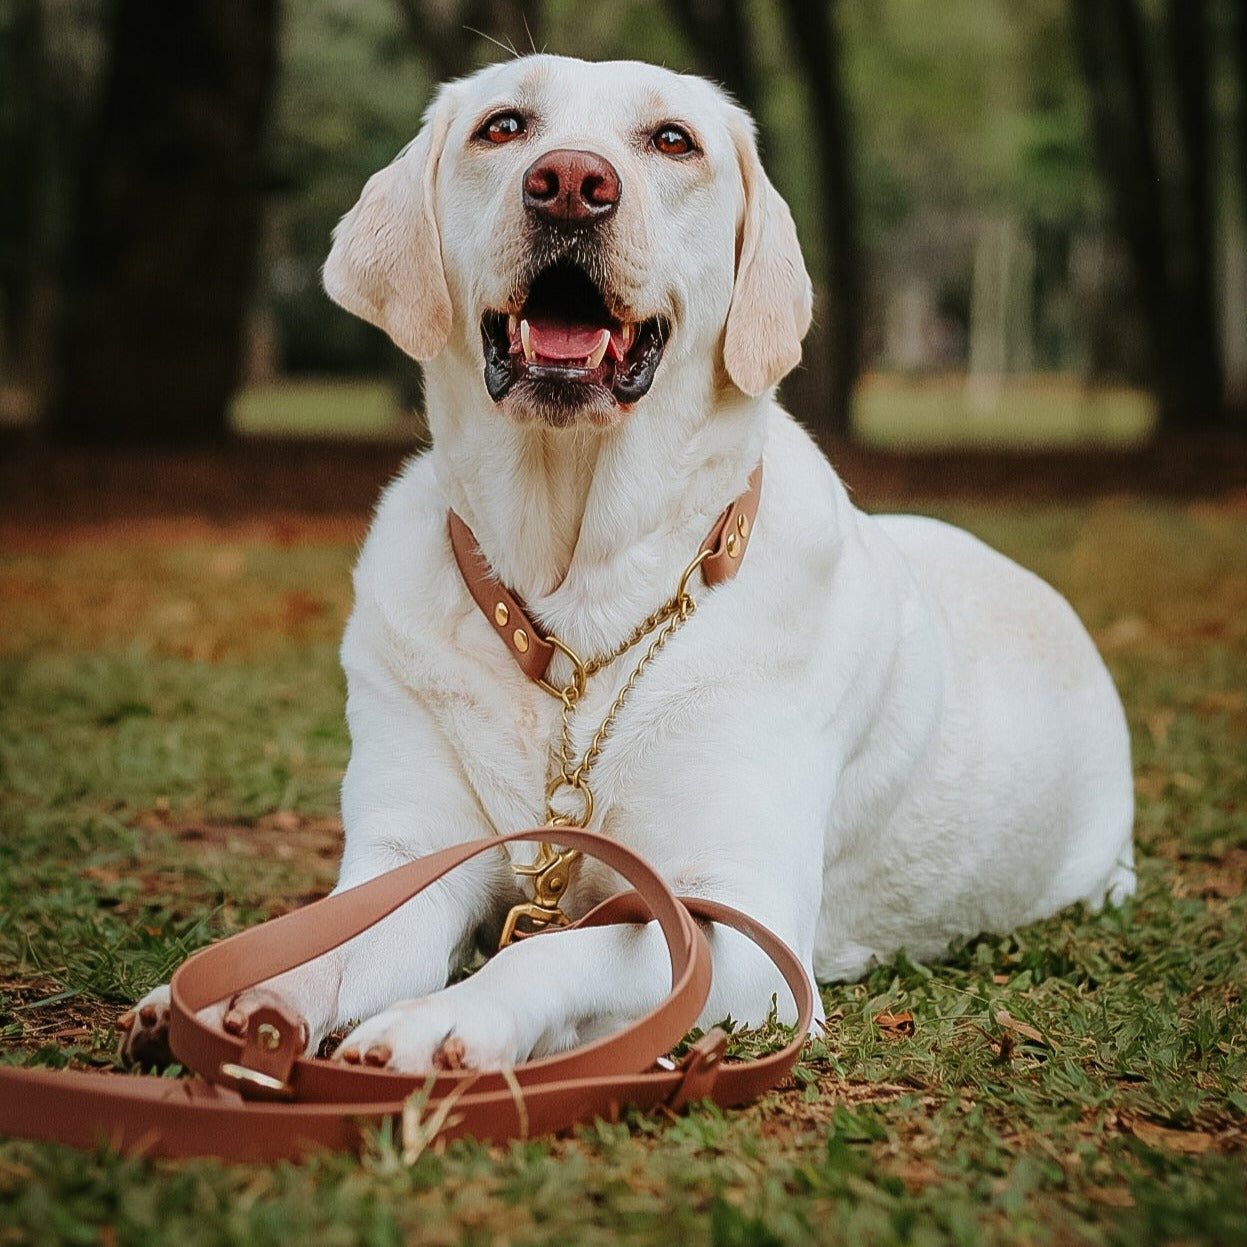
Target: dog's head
[{"x": 566, "y": 227}]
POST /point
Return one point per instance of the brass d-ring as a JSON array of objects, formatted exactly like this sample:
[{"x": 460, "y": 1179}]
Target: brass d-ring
[
  {"x": 681, "y": 594},
  {"x": 575, "y": 690},
  {"x": 563, "y": 820}
]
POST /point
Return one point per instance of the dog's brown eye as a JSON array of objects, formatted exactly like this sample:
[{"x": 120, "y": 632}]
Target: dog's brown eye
[
  {"x": 502, "y": 128},
  {"x": 673, "y": 141}
]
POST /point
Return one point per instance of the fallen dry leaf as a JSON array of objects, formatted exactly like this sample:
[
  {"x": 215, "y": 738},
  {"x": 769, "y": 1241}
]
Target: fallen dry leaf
[
  {"x": 281, "y": 820},
  {"x": 1125, "y": 631},
  {"x": 1111, "y": 1196},
  {"x": 1192, "y": 1142},
  {"x": 98, "y": 874},
  {"x": 917, "y": 1174},
  {"x": 1206, "y": 887},
  {"x": 1009, "y": 1022},
  {"x": 1158, "y": 724},
  {"x": 1188, "y": 783},
  {"x": 894, "y": 1024},
  {"x": 1220, "y": 703}
]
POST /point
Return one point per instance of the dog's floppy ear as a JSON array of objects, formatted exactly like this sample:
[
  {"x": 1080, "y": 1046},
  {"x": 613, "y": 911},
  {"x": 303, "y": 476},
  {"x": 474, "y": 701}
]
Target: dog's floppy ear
[
  {"x": 386, "y": 261},
  {"x": 772, "y": 299}
]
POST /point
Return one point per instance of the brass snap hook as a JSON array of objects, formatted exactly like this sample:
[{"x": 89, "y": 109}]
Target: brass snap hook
[{"x": 551, "y": 876}]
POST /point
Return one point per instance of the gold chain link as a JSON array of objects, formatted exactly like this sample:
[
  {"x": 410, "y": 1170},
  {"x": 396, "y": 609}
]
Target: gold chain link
[
  {"x": 673, "y": 615},
  {"x": 550, "y": 872}
]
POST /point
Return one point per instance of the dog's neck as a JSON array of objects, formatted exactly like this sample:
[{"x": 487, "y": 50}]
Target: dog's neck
[{"x": 592, "y": 528}]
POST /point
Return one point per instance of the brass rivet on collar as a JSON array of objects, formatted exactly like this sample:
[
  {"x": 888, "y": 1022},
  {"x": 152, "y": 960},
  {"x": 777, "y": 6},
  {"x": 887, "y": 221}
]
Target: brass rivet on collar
[
  {"x": 268, "y": 1037},
  {"x": 733, "y": 545},
  {"x": 742, "y": 522},
  {"x": 520, "y": 638},
  {"x": 502, "y": 616}
]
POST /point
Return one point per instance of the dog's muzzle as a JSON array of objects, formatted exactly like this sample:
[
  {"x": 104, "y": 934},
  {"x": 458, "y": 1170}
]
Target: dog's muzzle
[
  {"x": 565, "y": 339},
  {"x": 567, "y": 347}
]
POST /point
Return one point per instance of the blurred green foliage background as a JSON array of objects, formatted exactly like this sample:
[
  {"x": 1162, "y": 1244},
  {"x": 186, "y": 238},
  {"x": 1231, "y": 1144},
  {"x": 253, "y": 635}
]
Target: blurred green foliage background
[{"x": 985, "y": 189}]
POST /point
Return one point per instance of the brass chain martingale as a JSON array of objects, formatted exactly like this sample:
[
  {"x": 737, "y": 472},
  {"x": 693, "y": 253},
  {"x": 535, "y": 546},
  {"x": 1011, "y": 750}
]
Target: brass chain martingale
[{"x": 551, "y": 872}]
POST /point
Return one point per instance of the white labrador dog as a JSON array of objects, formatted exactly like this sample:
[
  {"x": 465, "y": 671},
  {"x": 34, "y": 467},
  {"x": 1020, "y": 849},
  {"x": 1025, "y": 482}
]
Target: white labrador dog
[{"x": 880, "y": 735}]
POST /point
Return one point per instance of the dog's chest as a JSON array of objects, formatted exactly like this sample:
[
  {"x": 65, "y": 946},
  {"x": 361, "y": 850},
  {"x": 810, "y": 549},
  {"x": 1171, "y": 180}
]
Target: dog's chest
[{"x": 514, "y": 740}]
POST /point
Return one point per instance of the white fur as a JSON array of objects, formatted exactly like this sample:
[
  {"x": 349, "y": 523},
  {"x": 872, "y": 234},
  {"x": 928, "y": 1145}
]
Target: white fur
[{"x": 881, "y": 735}]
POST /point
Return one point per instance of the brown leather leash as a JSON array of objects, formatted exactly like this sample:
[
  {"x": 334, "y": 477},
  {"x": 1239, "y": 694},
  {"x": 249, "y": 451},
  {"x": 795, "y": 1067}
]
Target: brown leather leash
[{"x": 258, "y": 1099}]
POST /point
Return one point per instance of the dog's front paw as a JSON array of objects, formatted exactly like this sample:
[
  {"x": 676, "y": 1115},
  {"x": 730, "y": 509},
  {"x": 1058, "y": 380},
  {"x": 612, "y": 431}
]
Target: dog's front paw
[
  {"x": 419, "y": 1036},
  {"x": 145, "y": 1030},
  {"x": 234, "y": 1015}
]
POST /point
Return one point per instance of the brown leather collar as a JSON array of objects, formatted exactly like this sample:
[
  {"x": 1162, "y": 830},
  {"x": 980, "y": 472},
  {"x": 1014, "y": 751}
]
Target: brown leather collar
[{"x": 532, "y": 648}]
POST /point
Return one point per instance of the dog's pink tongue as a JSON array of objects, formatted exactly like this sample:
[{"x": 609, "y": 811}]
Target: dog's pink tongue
[{"x": 552, "y": 339}]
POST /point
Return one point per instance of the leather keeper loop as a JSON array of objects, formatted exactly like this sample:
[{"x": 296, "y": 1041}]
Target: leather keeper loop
[
  {"x": 273, "y": 1044},
  {"x": 700, "y": 1070}
]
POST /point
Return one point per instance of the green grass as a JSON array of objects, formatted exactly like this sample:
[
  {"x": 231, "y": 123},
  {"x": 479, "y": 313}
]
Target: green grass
[
  {"x": 1047, "y": 412},
  {"x": 891, "y": 412},
  {"x": 169, "y": 755},
  {"x": 319, "y": 408}
]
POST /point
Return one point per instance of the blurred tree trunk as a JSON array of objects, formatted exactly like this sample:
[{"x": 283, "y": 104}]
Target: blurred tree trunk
[
  {"x": 1193, "y": 238},
  {"x": 1237, "y": 272},
  {"x": 1238, "y": 55},
  {"x": 455, "y": 37},
  {"x": 834, "y": 350},
  {"x": 1164, "y": 215},
  {"x": 1002, "y": 335},
  {"x": 22, "y": 238},
  {"x": 166, "y": 228},
  {"x": 718, "y": 34}
]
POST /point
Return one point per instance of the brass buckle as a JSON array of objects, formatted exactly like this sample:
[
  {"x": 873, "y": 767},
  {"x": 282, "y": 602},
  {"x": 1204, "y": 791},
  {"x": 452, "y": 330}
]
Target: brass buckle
[{"x": 253, "y": 1084}]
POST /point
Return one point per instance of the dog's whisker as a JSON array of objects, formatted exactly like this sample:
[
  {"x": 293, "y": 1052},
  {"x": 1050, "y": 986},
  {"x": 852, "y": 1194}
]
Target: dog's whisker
[{"x": 507, "y": 47}]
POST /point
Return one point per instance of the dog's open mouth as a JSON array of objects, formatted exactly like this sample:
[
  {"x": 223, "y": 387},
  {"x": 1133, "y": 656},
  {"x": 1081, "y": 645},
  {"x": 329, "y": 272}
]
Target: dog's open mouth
[{"x": 565, "y": 343}]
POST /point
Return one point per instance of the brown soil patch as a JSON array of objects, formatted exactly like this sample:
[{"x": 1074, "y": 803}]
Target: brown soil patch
[
  {"x": 284, "y": 835},
  {"x": 284, "y": 530},
  {"x": 75, "y": 1020},
  {"x": 292, "y": 491}
]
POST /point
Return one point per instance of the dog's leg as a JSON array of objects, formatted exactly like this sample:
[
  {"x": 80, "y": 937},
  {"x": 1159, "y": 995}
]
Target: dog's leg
[
  {"x": 553, "y": 991},
  {"x": 392, "y": 816},
  {"x": 411, "y": 952}
]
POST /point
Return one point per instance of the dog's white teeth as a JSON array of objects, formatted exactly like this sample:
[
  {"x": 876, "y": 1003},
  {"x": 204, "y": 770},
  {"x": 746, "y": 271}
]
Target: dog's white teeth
[
  {"x": 526, "y": 340},
  {"x": 598, "y": 353},
  {"x": 627, "y": 335},
  {"x": 513, "y": 325}
]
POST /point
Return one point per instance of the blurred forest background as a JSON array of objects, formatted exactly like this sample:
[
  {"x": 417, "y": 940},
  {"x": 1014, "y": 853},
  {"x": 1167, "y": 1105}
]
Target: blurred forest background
[{"x": 1026, "y": 219}]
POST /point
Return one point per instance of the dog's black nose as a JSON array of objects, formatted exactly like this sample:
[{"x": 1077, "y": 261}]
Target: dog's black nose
[{"x": 568, "y": 187}]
